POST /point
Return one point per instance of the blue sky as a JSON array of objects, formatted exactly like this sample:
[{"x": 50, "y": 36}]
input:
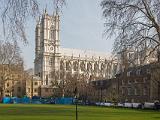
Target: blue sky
[{"x": 81, "y": 27}]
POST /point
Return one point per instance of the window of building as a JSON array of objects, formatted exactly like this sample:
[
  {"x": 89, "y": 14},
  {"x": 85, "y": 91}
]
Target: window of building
[
  {"x": 96, "y": 83},
  {"x": 39, "y": 74},
  {"x": 52, "y": 33},
  {"x": 89, "y": 67},
  {"x": 51, "y": 48},
  {"x": 18, "y": 82},
  {"x": 75, "y": 66},
  {"x": 123, "y": 82},
  {"x": 138, "y": 72},
  {"x": 35, "y": 90},
  {"x": 148, "y": 71},
  {"x": 68, "y": 66},
  {"x": 129, "y": 81},
  {"x": 19, "y": 76},
  {"x": 82, "y": 66},
  {"x": 129, "y": 91},
  {"x": 101, "y": 83},
  {"x": 96, "y": 67},
  {"x": 130, "y": 55},
  {"x": 102, "y": 67},
  {"x": 61, "y": 65},
  {"x": 53, "y": 90},
  {"x": 19, "y": 89},
  {"x": 136, "y": 80},
  {"x": 51, "y": 74},
  {"x": 7, "y": 84},
  {"x": 135, "y": 91},
  {"x": 129, "y": 73},
  {"x": 145, "y": 91},
  {"x": 35, "y": 83},
  {"x": 28, "y": 89},
  {"x": 145, "y": 79},
  {"x": 51, "y": 61},
  {"x": 122, "y": 91},
  {"x": 46, "y": 90},
  {"x": 12, "y": 76}
]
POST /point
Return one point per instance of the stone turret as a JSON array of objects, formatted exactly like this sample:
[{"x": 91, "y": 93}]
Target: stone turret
[{"x": 37, "y": 38}]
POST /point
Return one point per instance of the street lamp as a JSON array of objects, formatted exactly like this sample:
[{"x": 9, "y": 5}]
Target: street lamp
[
  {"x": 101, "y": 93},
  {"x": 76, "y": 100}
]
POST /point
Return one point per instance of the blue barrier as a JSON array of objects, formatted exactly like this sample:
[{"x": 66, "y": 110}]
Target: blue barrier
[
  {"x": 26, "y": 100},
  {"x": 14, "y": 100},
  {"x": 37, "y": 100},
  {"x": 64, "y": 100},
  {"x": 6, "y": 100}
]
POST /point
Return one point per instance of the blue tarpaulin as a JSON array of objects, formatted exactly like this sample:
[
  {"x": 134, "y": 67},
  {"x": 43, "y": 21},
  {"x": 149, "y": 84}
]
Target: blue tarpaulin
[
  {"x": 64, "y": 100},
  {"x": 6, "y": 100},
  {"x": 38, "y": 100},
  {"x": 26, "y": 100}
]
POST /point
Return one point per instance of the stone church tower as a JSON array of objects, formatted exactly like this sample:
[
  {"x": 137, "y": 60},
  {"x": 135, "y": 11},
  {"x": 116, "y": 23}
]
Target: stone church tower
[
  {"x": 55, "y": 64},
  {"x": 47, "y": 42}
]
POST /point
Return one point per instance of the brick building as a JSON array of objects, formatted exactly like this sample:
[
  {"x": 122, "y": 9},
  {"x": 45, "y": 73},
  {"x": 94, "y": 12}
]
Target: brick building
[
  {"x": 33, "y": 86},
  {"x": 106, "y": 90},
  {"x": 12, "y": 80},
  {"x": 135, "y": 84}
]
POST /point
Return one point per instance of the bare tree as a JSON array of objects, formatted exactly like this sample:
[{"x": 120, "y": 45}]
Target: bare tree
[
  {"x": 59, "y": 3},
  {"x": 155, "y": 81},
  {"x": 132, "y": 23},
  {"x": 15, "y": 13},
  {"x": 10, "y": 53},
  {"x": 9, "y": 58}
]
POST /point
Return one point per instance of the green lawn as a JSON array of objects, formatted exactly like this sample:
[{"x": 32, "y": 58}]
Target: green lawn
[{"x": 64, "y": 112}]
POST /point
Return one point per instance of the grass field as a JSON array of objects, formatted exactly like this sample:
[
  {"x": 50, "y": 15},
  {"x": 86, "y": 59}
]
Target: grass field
[{"x": 64, "y": 112}]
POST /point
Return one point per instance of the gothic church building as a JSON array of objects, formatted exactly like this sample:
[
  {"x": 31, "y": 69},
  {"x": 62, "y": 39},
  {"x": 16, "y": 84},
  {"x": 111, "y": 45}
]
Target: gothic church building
[{"x": 54, "y": 63}]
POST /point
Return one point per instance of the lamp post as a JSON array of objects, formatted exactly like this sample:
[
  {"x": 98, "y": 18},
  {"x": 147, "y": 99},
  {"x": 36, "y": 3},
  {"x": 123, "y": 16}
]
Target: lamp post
[
  {"x": 101, "y": 94},
  {"x": 76, "y": 100},
  {"x": 76, "y": 108}
]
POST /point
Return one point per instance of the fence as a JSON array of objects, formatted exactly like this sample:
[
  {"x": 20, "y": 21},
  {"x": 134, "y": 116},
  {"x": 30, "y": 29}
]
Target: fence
[
  {"x": 37, "y": 100},
  {"x": 64, "y": 100}
]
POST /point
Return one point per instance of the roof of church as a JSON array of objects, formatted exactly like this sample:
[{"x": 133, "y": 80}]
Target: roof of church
[{"x": 84, "y": 53}]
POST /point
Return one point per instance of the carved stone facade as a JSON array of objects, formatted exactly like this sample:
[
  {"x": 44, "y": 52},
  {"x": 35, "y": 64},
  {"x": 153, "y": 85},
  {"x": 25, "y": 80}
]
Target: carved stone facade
[{"x": 54, "y": 63}]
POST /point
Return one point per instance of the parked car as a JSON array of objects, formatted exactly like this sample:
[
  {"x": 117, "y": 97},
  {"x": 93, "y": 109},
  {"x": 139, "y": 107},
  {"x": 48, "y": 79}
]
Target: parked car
[
  {"x": 157, "y": 105},
  {"x": 128, "y": 105},
  {"x": 108, "y": 104},
  {"x": 120, "y": 105},
  {"x": 136, "y": 105}
]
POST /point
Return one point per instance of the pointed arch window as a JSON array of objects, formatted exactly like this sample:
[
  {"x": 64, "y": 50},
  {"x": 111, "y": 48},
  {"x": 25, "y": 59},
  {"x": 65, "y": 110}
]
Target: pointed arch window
[
  {"x": 51, "y": 61},
  {"x": 52, "y": 32},
  {"x": 75, "y": 66}
]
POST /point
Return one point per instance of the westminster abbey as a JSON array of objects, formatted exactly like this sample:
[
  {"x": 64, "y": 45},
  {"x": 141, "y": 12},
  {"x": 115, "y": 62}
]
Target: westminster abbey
[{"x": 53, "y": 63}]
